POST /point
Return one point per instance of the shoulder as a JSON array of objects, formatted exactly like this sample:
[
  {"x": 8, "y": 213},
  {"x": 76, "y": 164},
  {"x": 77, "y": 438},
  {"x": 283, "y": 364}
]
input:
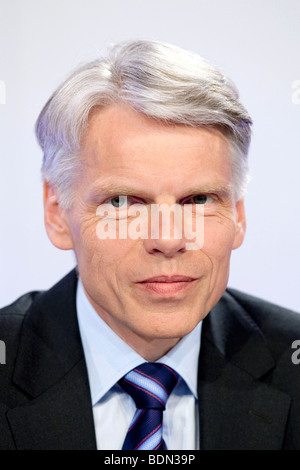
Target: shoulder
[
  {"x": 12, "y": 315},
  {"x": 255, "y": 303},
  {"x": 280, "y": 326},
  {"x": 32, "y": 321},
  {"x": 256, "y": 340},
  {"x": 263, "y": 312},
  {"x": 11, "y": 321},
  {"x": 30, "y": 305}
]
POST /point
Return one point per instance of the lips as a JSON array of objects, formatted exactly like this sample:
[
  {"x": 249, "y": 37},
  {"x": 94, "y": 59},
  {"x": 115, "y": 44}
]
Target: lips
[
  {"x": 175, "y": 278},
  {"x": 167, "y": 286}
]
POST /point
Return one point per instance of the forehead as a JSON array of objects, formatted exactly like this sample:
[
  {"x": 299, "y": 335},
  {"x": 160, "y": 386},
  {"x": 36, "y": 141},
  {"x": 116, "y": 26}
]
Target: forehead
[{"x": 123, "y": 144}]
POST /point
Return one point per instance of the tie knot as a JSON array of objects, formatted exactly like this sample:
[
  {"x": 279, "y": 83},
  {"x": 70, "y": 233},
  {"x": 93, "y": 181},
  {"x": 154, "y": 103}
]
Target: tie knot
[{"x": 150, "y": 384}]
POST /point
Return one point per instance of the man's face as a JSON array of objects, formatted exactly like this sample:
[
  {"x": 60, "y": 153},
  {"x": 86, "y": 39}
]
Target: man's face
[{"x": 152, "y": 292}]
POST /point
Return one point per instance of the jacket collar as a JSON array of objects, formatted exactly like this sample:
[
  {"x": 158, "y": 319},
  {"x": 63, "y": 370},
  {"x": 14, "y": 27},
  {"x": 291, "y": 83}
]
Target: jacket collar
[
  {"x": 50, "y": 368},
  {"x": 50, "y": 343},
  {"x": 232, "y": 332},
  {"x": 238, "y": 409}
]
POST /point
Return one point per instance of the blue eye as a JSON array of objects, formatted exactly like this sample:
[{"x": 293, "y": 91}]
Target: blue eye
[
  {"x": 200, "y": 199},
  {"x": 119, "y": 202}
]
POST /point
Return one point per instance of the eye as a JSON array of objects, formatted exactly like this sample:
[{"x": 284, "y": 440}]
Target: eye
[
  {"x": 118, "y": 202},
  {"x": 201, "y": 199}
]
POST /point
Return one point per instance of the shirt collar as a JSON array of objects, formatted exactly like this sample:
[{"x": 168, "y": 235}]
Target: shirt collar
[{"x": 108, "y": 357}]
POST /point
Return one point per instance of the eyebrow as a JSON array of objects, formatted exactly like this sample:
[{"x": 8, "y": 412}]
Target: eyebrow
[
  {"x": 106, "y": 189},
  {"x": 112, "y": 189},
  {"x": 220, "y": 189}
]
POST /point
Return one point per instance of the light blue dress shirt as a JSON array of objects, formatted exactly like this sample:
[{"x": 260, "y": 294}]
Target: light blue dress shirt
[{"x": 109, "y": 358}]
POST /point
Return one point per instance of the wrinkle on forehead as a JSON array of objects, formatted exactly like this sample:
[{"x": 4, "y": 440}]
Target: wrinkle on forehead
[{"x": 133, "y": 150}]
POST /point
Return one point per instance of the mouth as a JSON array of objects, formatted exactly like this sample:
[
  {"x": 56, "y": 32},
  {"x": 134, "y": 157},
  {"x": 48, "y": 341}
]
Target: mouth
[{"x": 167, "y": 286}]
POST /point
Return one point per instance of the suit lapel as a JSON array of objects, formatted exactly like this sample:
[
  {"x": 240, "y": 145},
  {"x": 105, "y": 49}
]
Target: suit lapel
[
  {"x": 59, "y": 419},
  {"x": 238, "y": 409},
  {"x": 50, "y": 369}
]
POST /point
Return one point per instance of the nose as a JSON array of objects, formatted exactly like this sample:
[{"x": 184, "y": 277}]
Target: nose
[
  {"x": 168, "y": 247},
  {"x": 166, "y": 232}
]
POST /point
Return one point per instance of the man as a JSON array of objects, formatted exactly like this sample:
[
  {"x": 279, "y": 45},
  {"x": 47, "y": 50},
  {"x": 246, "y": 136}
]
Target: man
[{"x": 126, "y": 137}]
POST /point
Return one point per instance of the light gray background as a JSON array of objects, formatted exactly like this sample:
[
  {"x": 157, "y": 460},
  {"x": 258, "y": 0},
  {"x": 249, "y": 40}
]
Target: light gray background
[{"x": 256, "y": 43}]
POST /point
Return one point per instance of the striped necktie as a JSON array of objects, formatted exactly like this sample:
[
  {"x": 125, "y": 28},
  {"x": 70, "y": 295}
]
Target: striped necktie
[{"x": 149, "y": 385}]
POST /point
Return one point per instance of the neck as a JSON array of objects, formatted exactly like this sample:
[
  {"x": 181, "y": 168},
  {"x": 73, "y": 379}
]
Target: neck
[
  {"x": 153, "y": 349},
  {"x": 150, "y": 348}
]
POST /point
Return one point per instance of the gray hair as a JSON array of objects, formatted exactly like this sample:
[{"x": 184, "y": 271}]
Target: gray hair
[{"x": 159, "y": 80}]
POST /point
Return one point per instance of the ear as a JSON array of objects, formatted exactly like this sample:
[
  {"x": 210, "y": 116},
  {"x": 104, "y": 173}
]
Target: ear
[
  {"x": 55, "y": 219},
  {"x": 240, "y": 224}
]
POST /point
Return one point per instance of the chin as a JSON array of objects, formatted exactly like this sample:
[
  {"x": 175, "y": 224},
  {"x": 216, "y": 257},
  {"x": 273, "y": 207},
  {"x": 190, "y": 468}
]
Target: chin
[{"x": 169, "y": 326}]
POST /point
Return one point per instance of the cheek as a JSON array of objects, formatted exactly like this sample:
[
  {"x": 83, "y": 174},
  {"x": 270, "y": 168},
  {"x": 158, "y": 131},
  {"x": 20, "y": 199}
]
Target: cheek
[
  {"x": 105, "y": 262},
  {"x": 219, "y": 235},
  {"x": 89, "y": 250}
]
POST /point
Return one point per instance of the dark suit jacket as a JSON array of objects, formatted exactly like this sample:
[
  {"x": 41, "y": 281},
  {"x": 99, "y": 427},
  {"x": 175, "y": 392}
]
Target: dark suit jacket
[{"x": 249, "y": 388}]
